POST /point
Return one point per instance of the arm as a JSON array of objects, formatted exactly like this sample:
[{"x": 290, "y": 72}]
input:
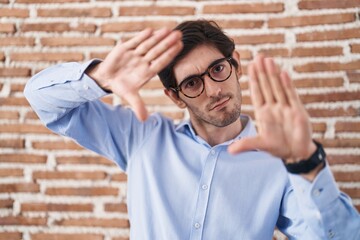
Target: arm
[
  {"x": 66, "y": 98},
  {"x": 313, "y": 204}
]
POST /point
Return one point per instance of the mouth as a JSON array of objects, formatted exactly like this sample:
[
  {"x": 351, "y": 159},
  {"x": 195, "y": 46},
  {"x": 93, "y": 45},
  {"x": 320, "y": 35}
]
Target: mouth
[{"x": 220, "y": 104}]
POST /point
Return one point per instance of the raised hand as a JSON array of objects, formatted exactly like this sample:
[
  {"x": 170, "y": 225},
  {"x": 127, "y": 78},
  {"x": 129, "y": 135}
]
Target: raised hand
[
  {"x": 132, "y": 63},
  {"x": 284, "y": 127}
]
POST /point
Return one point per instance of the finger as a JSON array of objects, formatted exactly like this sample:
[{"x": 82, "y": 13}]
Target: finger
[
  {"x": 245, "y": 144},
  {"x": 171, "y": 40},
  {"x": 256, "y": 95},
  {"x": 133, "y": 42},
  {"x": 263, "y": 79},
  {"x": 275, "y": 81},
  {"x": 289, "y": 88},
  {"x": 166, "y": 57},
  {"x": 149, "y": 43},
  {"x": 138, "y": 105}
]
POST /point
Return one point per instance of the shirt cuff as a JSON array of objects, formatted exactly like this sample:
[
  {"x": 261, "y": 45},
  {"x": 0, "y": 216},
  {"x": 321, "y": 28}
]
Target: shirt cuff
[
  {"x": 321, "y": 192},
  {"x": 87, "y": 87}
]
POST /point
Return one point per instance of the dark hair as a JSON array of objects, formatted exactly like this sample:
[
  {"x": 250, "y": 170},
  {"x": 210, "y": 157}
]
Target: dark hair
[{"x": 196, "y": 33}]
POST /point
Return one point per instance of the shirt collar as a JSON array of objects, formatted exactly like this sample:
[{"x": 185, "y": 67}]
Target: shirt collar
[{"x": 247, "y": 131}]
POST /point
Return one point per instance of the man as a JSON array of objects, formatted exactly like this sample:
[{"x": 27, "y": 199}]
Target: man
[{"x": 212, "y": 176}]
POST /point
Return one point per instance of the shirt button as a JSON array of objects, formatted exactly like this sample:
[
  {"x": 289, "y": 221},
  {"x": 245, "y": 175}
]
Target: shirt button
[
  {"x": 331, "y": 234},
  {"x": 204, "y": 187},
  {"x": 317, "y": 192},
  {"x": 197, "y": 225},
  {"x": 212, "y": 152},
  {"x": 86, "y": 87}
]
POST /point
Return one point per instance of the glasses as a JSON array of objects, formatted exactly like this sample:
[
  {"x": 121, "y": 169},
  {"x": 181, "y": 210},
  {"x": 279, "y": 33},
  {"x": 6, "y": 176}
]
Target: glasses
[{"x": 193, "y": 86}]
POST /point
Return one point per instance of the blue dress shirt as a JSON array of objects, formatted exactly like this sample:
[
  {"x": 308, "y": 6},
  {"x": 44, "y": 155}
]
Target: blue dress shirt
[{"x": 179, "y": 187}]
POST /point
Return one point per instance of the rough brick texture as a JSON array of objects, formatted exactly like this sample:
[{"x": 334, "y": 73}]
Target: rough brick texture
[{"x": 52, "y": 189}]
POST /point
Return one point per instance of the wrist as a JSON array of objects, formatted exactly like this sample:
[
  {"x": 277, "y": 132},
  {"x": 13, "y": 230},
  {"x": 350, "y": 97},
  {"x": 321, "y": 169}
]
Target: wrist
[{"x": 93, "y": 72}]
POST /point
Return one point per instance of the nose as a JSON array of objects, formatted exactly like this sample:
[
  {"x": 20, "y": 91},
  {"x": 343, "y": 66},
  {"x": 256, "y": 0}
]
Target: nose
[{"x": 212, "y": 88}]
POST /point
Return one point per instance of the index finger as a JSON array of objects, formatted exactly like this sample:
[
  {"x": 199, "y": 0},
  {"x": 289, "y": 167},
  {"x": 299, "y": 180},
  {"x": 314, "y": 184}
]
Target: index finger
[{"x": 139, "y": 38}]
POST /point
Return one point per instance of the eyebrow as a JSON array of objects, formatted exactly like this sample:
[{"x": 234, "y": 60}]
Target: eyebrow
[{"x": 196, "y": 75}]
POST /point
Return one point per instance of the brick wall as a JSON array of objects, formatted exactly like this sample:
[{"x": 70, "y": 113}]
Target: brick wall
[{"x": 50, "y": 188}]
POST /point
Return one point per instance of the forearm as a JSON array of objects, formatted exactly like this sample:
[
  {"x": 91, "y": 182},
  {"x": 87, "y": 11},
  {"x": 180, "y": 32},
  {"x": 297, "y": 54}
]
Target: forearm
[{"x": 55, "y": 91}]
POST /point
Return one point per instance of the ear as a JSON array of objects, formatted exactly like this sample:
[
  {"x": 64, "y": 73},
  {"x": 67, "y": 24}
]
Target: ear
[
  {"x": 236, "y": 56},
  {"x": 175, "y": 98}
]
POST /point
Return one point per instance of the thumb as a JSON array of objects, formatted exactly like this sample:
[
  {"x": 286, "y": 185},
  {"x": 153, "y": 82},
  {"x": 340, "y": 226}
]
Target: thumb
[
  {"x": 138, "y": 105},
  {"x": 245, "y": 144}
]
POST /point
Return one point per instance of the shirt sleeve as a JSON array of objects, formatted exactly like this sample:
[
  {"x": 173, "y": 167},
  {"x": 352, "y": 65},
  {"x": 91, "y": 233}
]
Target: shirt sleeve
[
  {"x": 67, "y": 102},
  {"x": 318, "y": 210}
]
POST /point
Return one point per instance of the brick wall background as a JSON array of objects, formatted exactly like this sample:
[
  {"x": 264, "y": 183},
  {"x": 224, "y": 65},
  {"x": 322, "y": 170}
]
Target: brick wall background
[{"x": 50, "y": 188}]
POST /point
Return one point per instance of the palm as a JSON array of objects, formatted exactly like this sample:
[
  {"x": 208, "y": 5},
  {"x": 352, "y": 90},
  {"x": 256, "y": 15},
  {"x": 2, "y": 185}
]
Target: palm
[{"x": 284, "y": 129}]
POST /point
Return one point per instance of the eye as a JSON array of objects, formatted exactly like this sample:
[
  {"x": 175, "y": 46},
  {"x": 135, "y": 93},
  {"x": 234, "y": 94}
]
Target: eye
[
  {"x": 192, "y": 83},
  {"x": 217, "y": 68}
]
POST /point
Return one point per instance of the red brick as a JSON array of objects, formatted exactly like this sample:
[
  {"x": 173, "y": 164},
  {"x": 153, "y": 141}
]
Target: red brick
[
  {"x": 10, "y": 236},
  {"x": 24, "y": 128},
  {"x": 133, "y": 26},
  {"x": 318, "y": 82},
  {"x": 11, "y": 172},
  {"x": 354, "y": 77},
  {"x": 355, "y": 48},
  {"x": 259, "y": 39},
  {"x": 311, "y": 20},
  {"x": 56, "y": 145},
  {"x": 328, "y": 66},
  {"x": 48, "y": 56},
  {"x": 80, "y": 41},
  {"x": 17, "y": 41},
  {"x": 319, "y": 127},
  {"x": 98, "y": 55},
  {"x": 347, "y": 126},
  {"x": 9, "y": 115},
  {"x": 329, "y": 35},
  {"x": 121, "y": 177},
  {"x": 347, "y": 176},
  {"x": 234, "y": 23},
  {"x": 330, "y": 97},
  {"x": 14, "y": 101},
  {"x": 156, "y": 10},
  {"x": 61, "y": 236},
  {"x": 337, "y": 112},
  {"x": 74, "y": 12},
  {"x": 31, "y": 115},
  {"x": 14, "y": 12},
  {"x": 84, "y": 191},
  {"x": 4, "y": 1},
  {"x": 316, "y": 51},
  {"x": 45, "y": 27},
  {"x": 24, "y": 221},
  {"x": 341, "y": 143},
  {"x": 244, "y": 8},
  {"x": 14, "y": 72},
  {"x": 343, "y": 159},
  {"x": 80, "y": 175},
  {"x": 245, "y": 54},
  {"x": 19, "y": 187},
  {"x": 352, "y": 192},
  {"x": 326, "y": 4},
  {"x": 115, "y": 207},
  {"x": 22, "y": 158},
  {"x": 158, "y": 100},
  {"x": 173, "y": 115},
  {"x": 95, "y": 222},
  {"x": 120, "y": 238},
  {"x": 17, "y": 87},
  {"x": 7, "y": 28},
  {"x": 153, "y": 84},
  {"x": 2, "y": 56},
  {"x": 6, "y": 203},
  {"x": 54, "y": 207},
  {"x": 275, "y": 52},
  {"x": 84, "y": 160}
]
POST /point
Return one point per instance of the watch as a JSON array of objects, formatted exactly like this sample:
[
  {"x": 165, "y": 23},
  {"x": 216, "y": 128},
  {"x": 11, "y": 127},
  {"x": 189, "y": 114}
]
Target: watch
[{"x": 305, "y": 166}]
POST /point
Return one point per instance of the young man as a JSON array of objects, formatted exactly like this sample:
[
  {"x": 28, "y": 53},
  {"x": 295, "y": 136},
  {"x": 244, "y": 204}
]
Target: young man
[{"x": 185, "y": 181}]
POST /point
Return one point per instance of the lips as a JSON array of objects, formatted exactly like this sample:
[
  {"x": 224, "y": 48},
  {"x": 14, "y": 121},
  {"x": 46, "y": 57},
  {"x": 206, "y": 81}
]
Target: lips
[{"x": 219, "y": 104}]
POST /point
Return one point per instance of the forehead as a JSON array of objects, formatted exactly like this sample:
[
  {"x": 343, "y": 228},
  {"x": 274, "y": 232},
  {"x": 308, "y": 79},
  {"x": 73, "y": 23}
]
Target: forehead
[{"x": 196, "y": 61}]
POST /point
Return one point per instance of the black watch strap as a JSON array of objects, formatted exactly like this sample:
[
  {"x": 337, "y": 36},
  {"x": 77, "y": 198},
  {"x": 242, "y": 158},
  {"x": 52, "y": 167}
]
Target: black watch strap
[{"x": 305, "y": 166}]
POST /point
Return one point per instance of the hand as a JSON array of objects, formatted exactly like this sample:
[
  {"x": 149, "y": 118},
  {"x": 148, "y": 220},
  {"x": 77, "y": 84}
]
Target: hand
[
  {"x": 133, "y": 63},
  {"x": 284, "y": 127}
]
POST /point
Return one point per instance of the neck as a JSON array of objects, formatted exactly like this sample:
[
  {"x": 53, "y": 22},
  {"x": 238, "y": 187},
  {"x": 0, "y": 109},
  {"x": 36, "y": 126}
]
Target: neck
[{"x": 216, "y": 135}]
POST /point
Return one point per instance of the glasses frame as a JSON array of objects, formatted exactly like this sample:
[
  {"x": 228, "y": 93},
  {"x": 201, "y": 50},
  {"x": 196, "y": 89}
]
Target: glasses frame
[{"x": 201, "y": 76}]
